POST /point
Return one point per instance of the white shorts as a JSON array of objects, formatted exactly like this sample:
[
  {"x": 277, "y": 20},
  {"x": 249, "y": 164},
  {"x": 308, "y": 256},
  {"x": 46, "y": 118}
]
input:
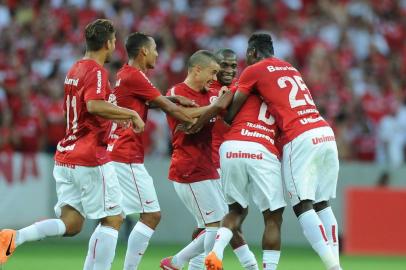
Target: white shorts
[
  {"x": 248, "y": 169},
  {"x": 310, "y": 166},
  {"x": 204, "y": 199},
  {"x": 93, "y": 191},
  {"x": 138, "y": 189}
]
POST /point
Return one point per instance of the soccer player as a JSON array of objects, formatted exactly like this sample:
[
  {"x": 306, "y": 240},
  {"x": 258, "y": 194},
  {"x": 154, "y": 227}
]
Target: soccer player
[
  {"x": 86, "y": 183},
  {"x": 250, "y": 168},
  {"x": 133, "y": 90},
  {"x": 227, "y": 59},
  {"x": 192, "y": 170},
  {"x": 310, "y": 160}
]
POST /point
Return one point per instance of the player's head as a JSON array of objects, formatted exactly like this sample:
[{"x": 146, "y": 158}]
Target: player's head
[
  {"x": 100, "y": 35},
  {"x": 227, "y": 60},
  {"x": 143, "y": 46},
  {"x": 260, "y": 46},
  {"x": 203, "y": 68}
]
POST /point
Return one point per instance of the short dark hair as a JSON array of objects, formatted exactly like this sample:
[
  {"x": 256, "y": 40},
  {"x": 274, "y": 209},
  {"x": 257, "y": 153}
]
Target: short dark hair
[
  {"x": 97, "y": 33},
  {"x": 225, "y": 51},
  {"x": 202, "y": 58},
  {"x": 262, "y": 42},
  {"x": 135, "y": 42}
]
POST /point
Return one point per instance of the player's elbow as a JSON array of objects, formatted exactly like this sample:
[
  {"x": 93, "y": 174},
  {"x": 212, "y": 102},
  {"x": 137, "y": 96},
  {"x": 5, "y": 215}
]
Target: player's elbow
[{"x": 92, "y": 107}]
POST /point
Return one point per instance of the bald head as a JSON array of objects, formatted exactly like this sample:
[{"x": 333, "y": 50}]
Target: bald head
[
  {"x": 202, "y": 58},
  {"x": 227, "y": 60}
]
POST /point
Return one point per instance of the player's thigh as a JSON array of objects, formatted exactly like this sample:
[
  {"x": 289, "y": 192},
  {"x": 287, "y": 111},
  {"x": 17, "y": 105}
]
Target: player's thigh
[
  {"x": 266, "y": 185},
  {"x": 137, "y": 186},
  {"x": 203, "y": 199},
  {"x": 328, "y": 174},
  {"x": 100, "y": 191},
  {"x": 234, "y": 175},
  {"x": 300, "y": 168},
  {"x": 67, "y": 191}
]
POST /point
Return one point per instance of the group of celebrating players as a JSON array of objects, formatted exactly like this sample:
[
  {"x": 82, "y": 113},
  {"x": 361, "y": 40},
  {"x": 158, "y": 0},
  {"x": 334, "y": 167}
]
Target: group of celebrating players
[{"x": 277, "y": 143}]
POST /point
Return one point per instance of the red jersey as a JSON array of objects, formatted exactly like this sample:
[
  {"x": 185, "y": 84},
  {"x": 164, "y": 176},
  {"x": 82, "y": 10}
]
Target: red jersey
[
  {"x": 220, "y": 128},
  {"x": 254, "y": 123},
  {"x": 85, "y": 140},
  {"x": 287, "y": 96},
  {"x": 191, "y": 158},
  {"x": 132, "y": 90}
]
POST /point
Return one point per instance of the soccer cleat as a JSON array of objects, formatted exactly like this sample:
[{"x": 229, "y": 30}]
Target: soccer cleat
[
  {"x": 212, "y": 262},
  {"x": 166, "y": 264},
  {"x": 7, "y": 244}
]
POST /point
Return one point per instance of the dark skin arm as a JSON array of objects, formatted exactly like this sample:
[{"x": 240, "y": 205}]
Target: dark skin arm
[
  {"x": 238, "y": 100},
  {"x": 220, "y": 105}
]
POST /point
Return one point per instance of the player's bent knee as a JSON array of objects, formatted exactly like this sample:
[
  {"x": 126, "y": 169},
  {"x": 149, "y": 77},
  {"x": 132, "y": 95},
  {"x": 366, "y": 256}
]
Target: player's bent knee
[
  {"x": 321, "y": 205},
  {"x": 73, "y": 227},
  {"x": 151, "y": 219},
  {"x": 302, "y": 206},
  {"x": 112, "y": 221}
]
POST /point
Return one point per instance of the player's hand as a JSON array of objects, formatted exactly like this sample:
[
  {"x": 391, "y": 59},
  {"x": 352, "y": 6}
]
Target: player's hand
[
  {"x": 225, "y": 99},
  {"x": 138, "y": 124},
  {"x": 186, "y": 102},
  {"x": 223, "y": 90},
  {"x": 184, "y": 127},
  {"x": 195, "y": 127},
  {"x": 123, "y": 123}
]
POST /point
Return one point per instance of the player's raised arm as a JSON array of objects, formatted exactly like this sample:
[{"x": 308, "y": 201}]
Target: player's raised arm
[
  {"x": 211, "y": 111},
  {"x": 238, "y": 100},
  {"x": 173, "y": 110}
]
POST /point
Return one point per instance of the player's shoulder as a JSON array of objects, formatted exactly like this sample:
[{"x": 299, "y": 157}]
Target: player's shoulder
[{"x": 177, "y": 89}]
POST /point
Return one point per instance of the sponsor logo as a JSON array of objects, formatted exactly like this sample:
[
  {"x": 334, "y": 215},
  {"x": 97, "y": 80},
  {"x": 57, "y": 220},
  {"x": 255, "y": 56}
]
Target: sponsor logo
[
  {"x": 99, "y": 82},
  {"x": 273, "y": 68},
  {"x": 307, "y": 111},
  {"x": 209, "y": 213},
  {"x": 310, "y": 120},
  {"x": 261, "y": 127},
  {"x": 149, "y": 202},
  {"x": 60, "y": 148},
  {"x": 112, "y": 207},
  {"x": 323, "y": 139},
  {"x": 240, "y": 154},
  {"x": 71, "y": 81},
  {"x": 256, "y": 134},
  {"x": 71, "y": 166}
]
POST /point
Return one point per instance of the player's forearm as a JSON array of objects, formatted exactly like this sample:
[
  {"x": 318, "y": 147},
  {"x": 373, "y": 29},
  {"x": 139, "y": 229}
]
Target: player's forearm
[
  {"x": 195, "y": 112},
  {"x": 109, "y": 111},
  {"x": 180, "y": 114}
]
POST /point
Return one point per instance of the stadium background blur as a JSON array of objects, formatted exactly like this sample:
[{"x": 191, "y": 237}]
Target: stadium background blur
[{"x": 352, "y": 54}]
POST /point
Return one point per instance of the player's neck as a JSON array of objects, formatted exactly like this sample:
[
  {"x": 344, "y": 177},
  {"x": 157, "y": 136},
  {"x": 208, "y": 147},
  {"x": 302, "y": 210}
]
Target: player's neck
[
  {"x": 96, "y": 56},
  {"x": 195, "y": 86},
  {"x": 138, "y": 65}
]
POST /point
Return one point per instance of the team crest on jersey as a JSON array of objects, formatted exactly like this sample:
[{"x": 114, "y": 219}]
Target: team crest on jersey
[{"x": 213, "y": 99}]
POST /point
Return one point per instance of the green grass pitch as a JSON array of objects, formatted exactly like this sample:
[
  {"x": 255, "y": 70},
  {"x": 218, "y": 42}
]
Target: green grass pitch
[{"x": 61, "y": 255}]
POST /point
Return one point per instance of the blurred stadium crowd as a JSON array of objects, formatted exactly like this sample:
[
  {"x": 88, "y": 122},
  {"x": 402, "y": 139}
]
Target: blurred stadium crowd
[{"x": 352, "y": 54}]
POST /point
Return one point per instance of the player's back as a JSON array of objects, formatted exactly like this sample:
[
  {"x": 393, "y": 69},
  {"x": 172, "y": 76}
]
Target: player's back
[
  {"x": 254, "y": 123},
  {"x": 191, "y": 157},
  {"x": 132, "y": 90},
  {"x": 85, "y": 139},
  {"x": 288, "y": 98}
]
